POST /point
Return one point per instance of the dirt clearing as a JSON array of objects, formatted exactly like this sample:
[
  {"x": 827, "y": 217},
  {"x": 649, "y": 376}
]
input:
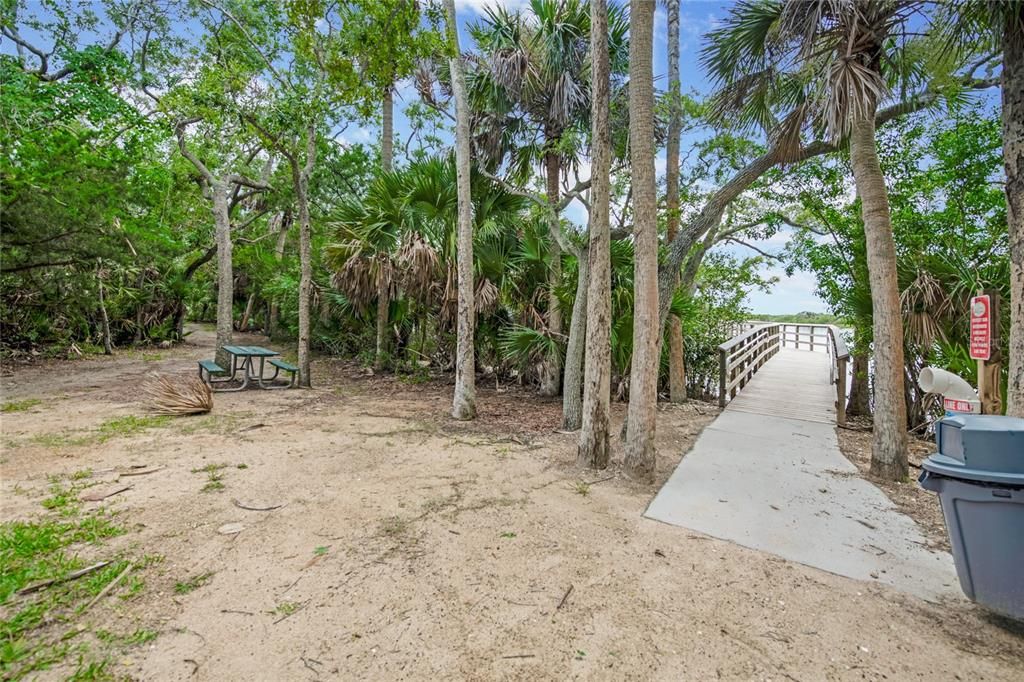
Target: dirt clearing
[{"x": 355, "y": 531}]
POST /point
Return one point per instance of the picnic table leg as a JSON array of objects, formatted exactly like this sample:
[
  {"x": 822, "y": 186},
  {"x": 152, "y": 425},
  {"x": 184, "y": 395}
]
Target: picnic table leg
[
  {"x": 234, "y": 367},
  {"x": 260, "y": 379}
]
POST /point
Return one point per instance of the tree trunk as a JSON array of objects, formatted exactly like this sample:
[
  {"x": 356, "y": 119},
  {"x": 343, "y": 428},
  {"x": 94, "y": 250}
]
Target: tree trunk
[
  {"x": 300, "y": 178},
  {"x": 551, "y": 374},
  {"x": 889, "y": 449},
  {"x": 676, "y": 361},
  {"x": 139, "y": 282},
  {"x": 244, "y": 324},
  {"x": 387, "y": 133},
  {"x": 225, "y": 275},
  {"x": 572, "y": 407},
  {"x": 104, "y": 318},
  {"x": 387, "y": 139},
  {"x": 285, "y": 221},
  {"x": 383, "y": 305},
  {"x": 464, "y": 399},
  {"x": 859, "y": 403},
  {"x": 643, "y": 383},
  {"x": 594, "y": 448},
  {"x": 1013, "y": 159}
]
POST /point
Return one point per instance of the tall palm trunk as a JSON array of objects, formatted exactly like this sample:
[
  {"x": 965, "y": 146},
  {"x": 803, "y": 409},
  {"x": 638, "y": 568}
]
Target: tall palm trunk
[
  {"x": 383, "y": 306},
  {"x": 643, "y": 384},
  {"x": 572, "y": 406},
  {"x": 464, "y": 400},
  {"x": 594, "y": 448},
  {"x": 859, "y": 404},
  {"x": 889, "y": 449},
  {"x": 676, "y": 362},
  {"x": 300, "y": 176},
  {"x": 387, "y": 136},
  {"x": 551, "y": 374},
  {"x": 108, "y": 348},
  {"x": 1013, "y": 159},
  {"x": 284, "y": 221},
  {"x": 387, "y": 132},
  {"x": 225, "y": 275}
]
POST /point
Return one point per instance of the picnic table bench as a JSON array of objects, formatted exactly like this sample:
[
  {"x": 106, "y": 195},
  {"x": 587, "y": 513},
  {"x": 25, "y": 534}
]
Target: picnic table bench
[{"x": 244, "y": 358}]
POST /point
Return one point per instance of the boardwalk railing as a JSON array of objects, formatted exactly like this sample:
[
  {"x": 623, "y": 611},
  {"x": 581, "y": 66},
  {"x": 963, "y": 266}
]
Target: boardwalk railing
[{"x": 740, "y": 357}]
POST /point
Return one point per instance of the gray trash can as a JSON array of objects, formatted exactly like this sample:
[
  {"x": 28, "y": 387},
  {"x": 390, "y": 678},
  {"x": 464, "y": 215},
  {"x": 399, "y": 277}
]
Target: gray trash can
[{"x": 978, "y": 473}]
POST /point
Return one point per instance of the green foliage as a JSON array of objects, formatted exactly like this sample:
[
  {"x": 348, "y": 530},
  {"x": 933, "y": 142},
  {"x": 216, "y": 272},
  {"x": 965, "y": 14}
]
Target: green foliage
[
  {"x": 20, "y": 405},
  {"x": 949, "y": 221},
  {"x": 193, "y": 583},
  {"x": 34, "y": 551}
]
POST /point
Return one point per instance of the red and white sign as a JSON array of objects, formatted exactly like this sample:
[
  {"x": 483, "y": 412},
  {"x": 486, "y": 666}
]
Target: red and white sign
[
  {"x": 981, "y": 327},
  {"x": 968, "y": 406}
]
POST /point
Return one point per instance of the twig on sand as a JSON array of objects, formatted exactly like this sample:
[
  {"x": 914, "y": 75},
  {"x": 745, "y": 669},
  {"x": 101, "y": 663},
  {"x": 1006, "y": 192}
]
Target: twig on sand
[
  {"x": 110, "y": 586},
  {"x": 35, "y": 587},
  {"x": 308, "y": 661},
  {"x": 600, "y": 480},
  {"x": 141, "y": 471},
  {"x": 98, "y": 495},
  {"x": 521, "y": 656},
  {"x": 251, "y": 508},
  {"x": 195, "y": 665},
  {"x": 244, "y": 613},
  {"x": 564, "y": 597}
]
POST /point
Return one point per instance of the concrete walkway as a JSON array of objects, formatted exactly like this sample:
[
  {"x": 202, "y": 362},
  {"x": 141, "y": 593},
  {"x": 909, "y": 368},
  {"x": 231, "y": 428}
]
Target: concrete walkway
[{"x": 780, "y": 484}]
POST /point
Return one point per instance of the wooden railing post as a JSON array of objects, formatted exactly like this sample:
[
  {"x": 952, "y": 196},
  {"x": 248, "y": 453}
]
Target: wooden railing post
[
  {"x": 841, "y": 392},
  {"x": 723, "y": 368}
]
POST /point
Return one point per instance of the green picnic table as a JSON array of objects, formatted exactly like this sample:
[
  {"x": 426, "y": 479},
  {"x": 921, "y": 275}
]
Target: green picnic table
[{"x": 244, "y": 358}]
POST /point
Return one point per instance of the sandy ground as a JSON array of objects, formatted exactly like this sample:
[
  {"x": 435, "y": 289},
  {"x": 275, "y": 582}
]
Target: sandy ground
[
  {"x": 909, "y": 497},
  {"x": 409, "y": 546}
]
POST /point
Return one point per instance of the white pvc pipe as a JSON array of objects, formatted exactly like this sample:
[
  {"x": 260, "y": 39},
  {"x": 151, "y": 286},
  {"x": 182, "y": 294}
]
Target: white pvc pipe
[{"x": 935, "y": 380}]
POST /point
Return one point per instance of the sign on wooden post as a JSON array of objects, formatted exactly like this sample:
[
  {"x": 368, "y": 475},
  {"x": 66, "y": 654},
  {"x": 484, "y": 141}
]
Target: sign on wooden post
[
  {"x": 981, "y": 327},
  {"x": 984, "y": 347}
]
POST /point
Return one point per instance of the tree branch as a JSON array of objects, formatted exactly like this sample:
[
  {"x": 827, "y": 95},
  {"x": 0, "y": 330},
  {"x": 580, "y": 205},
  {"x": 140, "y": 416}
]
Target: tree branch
[{"x": 753, "y": 248}]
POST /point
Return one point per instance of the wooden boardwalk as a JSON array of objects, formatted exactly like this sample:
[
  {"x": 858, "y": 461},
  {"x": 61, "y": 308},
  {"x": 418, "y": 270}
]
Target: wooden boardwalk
[
  {"x": 793, "y": 384},
  {"x": 768, "y": 474}
]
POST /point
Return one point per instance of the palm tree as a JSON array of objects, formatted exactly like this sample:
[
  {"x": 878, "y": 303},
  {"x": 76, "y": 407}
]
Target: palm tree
[
  {"x": 464, "y": 400},
  {"x": 830, "y": 63},
  {"x": 535, "y": 69},
  {"x": 676, "y": 364},
  {"x": 594, "y": 450},
  {"x": 643, "y": 384}
]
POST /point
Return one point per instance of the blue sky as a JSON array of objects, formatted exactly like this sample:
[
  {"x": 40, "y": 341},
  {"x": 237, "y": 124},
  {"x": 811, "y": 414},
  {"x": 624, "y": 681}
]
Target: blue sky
[{"x": 790, "y": 294}]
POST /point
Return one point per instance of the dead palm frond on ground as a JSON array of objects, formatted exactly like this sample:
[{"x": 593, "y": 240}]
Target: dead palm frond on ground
[{"x": 178, "y": 395}]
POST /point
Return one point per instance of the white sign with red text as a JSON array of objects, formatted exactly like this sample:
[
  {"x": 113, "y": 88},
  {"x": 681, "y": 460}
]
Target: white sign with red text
[{"x": 981, "y": 327}]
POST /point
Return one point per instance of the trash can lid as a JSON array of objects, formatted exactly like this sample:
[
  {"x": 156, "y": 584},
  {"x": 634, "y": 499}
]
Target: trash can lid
[{"x": 986, "y": 448}]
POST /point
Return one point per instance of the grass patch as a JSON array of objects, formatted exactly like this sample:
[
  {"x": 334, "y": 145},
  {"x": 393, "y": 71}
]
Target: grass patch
[
  {"x": 152, "y": 357},
  {"x": 126, "y": 641},
  {"x": 214, "y": 477},
  {"x": 20, "y": 405},
  {"x": 213, "y": 484},
  {"x": 130, "y": 425},
  {"x": 61, "y": 499},
  {"x": 193, "y": 583},
  {"x": 41, "y": 550},
  {"x": 286, "y": 608},
  {"x": 581, "y": 488},
  {"x": 118, "y": 427}
]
